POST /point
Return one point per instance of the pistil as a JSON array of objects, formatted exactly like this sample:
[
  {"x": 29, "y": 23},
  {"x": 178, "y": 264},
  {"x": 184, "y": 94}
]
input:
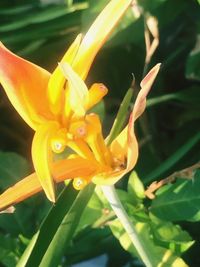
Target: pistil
[{"x": 96, "y": 141}]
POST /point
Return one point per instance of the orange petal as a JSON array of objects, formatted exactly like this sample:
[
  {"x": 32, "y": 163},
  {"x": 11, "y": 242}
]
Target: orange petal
[
  {"x": 26, "y": 87},
  {"x": 57, "y": 79},
  {"x": 125, "y": 147},
  {"x": 72, "y": 168},
  {"x": 97, "y": 35},
  {"x": 62, "y": 170},
  {"x": 126, "y": 139},
  {"x": 124, "y": 151},
  {"x": 42, "y": 157},
  {"x": 146, "y": 83}
]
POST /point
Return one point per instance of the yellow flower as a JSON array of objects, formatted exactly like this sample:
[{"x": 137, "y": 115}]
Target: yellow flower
[
  {"x": 50, "y": 104},
  {"x": 94, "y": 160}
]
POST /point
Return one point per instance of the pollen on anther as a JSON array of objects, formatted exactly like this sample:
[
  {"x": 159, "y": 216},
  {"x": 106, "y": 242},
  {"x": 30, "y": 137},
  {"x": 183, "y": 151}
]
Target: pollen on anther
[
  {"x": 57, "y": 146},
  {"x": 102, "y": 87},
  {"x": 81, "y": 131},
  {"x": 78, "y": 130},
  {"x": 79, "y": 183}
]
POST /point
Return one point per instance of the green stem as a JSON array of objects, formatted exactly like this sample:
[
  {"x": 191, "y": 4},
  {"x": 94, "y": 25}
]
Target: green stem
[{"x": 113, "y": 199}]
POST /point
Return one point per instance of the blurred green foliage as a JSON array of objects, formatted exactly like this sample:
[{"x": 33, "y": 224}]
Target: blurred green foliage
[{"x": 168, "y": 132}]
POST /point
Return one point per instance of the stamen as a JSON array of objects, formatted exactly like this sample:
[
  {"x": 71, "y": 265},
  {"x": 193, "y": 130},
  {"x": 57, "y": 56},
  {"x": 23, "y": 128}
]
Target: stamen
[
  {"x": 96, "y": 93},
  {"x": 79, "y": 183},
  {"x": 81, "y": 131},
  {"x": 58, "y": 142},
  {"x": 81, "y": 148},
  {"x": 105, "y": 150},
  {"x": 57, "y": 146},
  {"x": 78, "y": 129},
  {"x": 95, "y": 139}
]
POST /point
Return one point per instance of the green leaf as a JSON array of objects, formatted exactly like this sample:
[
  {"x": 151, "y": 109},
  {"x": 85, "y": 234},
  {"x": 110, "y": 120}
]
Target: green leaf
[
  {"x": 30, "y": 48},
  {"x": 61, "y": 26},
  {"x": 58, "y": 228},
  {"x": 9, "y": 250},
  {"x": 15, "y": 10},
  {"x": 48, "y": 228},
  {"x": 88, "y": 244},
  {"x": 25, "y": 256},
  {"x": 190, "y": 95},
  {"x": 170, "y": 236},
  {"x": 65, "y": 231},
  {"x": 92, "y": 213},
  {"x": 135, "y": 186},
  {"x": 160, "y": 99},
  {"x": 121, "y": 116},
  {"x": 12, "y": 168},
  {"x": 45, "y": 15},
  {"x": 159, "y": 256},
  {"x": 193, "y": 62},
  {"x": 99, "y": 109},
  {"x": 179, "y": 201},
  {"x": 173, "y": 159}
]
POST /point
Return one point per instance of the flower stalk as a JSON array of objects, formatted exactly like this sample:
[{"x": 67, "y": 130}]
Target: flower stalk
[{"x": 112, "y": 197}]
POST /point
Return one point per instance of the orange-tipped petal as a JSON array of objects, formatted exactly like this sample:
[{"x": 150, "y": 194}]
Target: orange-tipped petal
[
  {"x": 138, "y": 109},
  {"x": 78, "y": 91},
  {"x": 62, "y": 170},
  {"x": 20, "y": 191},
  {"x": 26, "y": 87},
  {"x": 57, "y": 79},
  {"x": 146, "y": 83},
  {"x": 42, "y": 157},
  {"x": 127, "y": 137},
  {"x": 125, "y": 147},
  {"x": 132, "y": 152},
  {"x": 97, "y": 35}
]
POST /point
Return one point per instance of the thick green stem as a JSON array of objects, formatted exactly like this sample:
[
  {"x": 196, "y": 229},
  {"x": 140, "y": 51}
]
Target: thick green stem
[{"x": 113, "y": 199}]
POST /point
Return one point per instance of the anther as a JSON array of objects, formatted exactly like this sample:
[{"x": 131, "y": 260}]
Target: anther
[
  {"x": 81, "y": 131},
  {"x": 96, "y": 93},
  {"x": 79, "y": 183},
  {"x": 57, "y": 145},
  {"x": 103, "y": 88},
  {"x": 58, "y": 142},
  {"x": 78, "y": 129}
]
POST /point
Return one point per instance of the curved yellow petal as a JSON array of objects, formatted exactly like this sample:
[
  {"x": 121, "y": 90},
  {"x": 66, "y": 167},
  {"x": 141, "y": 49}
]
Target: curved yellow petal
[
  {"x": 26, "y": 86},
  {"x": 57, "y": 79},
  {"x": 97, "y": 35},
  {"x": 30, "y": 185},
  {"x": 42, "y": 157},
  {"x": 78, "y": 91}
]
